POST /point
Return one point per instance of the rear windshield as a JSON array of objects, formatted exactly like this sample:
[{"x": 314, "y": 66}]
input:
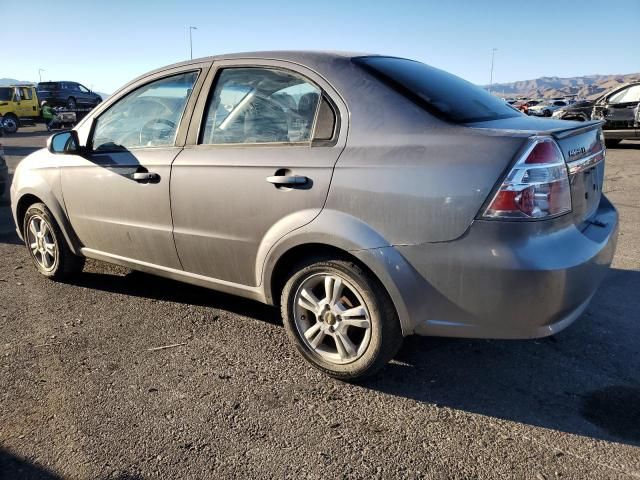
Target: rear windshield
[
  {"x": 48, "y": 86},
  {"x": 6, "y": 94},
  {"x": 443, "y": 94}
]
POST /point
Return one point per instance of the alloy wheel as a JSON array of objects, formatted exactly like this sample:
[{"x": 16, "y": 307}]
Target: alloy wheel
[
  {"x": 332, "y": 318},
  {"x": 42, "y": 243}
]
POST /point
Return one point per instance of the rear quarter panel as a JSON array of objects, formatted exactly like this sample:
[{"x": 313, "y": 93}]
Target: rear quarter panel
[
  {"x": 407, "y": 174},
  {"x": 419, "y": 187}
]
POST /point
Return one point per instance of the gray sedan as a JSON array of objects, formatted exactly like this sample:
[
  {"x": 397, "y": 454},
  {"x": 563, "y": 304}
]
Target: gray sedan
[{"x": 369, "y": 197}]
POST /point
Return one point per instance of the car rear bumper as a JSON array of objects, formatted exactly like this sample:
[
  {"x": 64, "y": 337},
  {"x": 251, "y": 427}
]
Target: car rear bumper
[{"x": 508, "y": 279}]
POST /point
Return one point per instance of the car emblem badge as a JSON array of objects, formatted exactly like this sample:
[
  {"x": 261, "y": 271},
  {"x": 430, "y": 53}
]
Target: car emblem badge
[{"x": 575, "y": 152}]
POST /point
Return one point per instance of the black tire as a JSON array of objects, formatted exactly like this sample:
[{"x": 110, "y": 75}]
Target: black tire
[
  {"x": 547, "y": 113},
  {"x": 66, "y": 263},
  {"x": 386, "y": 335},
  {"x": 71, "y": 103},
  {"x": 611, "y": 142},
  {"x": 11, "y": 123}
]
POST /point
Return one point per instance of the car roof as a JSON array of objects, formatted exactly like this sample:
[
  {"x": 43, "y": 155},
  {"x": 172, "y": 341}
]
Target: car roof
[{"x": 310, "y": 58}]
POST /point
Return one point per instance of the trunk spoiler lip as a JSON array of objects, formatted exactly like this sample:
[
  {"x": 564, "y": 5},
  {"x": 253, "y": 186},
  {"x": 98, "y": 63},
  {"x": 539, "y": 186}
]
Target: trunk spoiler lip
[
  {"x": 558, "y": 133},
  {"x": 570, "y": 132}
]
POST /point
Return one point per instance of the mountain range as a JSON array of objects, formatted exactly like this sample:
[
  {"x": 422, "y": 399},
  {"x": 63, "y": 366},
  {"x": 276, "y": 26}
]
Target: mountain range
[{"x": 589, "y": 86}]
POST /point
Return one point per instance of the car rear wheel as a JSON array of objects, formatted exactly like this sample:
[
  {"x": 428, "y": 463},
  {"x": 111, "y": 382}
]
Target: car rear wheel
[
  {"x": 11, "y": 123},
  {"x": 340, "y": 318},
  {"x": 47, "y": 246}
]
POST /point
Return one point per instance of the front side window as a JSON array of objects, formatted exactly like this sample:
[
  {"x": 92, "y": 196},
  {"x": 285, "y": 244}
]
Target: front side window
[
  {"x": 83, "y": 89},
  {"x": 147, "y": 117},
  {"x": 260, "y": 105},
  {"x": 442, "y": 94}
]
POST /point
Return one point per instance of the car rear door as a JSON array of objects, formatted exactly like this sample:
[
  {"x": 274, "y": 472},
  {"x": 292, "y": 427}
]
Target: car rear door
[
  {"x": 258, "y": 163},
  {"x": 117, "y": 194}
]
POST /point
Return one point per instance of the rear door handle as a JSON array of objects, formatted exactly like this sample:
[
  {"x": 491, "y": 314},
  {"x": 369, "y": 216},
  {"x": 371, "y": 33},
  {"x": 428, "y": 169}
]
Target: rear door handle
[
  {"x": 146, "y": 177},
  {"x": 288, "y": 180}
]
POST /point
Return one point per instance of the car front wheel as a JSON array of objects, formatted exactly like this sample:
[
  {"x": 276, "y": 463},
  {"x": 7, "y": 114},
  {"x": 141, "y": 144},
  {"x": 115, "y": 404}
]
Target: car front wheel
[
  {"x": 47, "y": 246},
  {"x": 340, "y": 318}
]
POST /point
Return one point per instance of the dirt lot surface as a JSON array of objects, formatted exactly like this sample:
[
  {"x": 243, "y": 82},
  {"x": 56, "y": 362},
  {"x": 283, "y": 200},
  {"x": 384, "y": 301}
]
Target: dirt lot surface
[{"x": 82, "y": 396}]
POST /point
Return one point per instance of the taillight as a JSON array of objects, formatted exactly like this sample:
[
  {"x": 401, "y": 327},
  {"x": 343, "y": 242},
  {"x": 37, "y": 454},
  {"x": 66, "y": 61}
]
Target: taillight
[{"x": 537, "y": 186}]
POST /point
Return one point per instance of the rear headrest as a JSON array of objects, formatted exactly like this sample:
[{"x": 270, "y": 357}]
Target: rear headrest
[{"x": 307, "y": 104}]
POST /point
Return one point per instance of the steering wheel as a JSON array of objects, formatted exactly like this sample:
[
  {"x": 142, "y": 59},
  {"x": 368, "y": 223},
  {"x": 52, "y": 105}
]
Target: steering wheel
[{"x": 151, "y": 130}]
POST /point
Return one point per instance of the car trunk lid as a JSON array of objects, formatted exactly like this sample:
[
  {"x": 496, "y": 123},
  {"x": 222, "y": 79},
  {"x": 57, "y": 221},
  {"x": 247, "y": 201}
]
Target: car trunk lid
[{"x": 583, "y": 149}]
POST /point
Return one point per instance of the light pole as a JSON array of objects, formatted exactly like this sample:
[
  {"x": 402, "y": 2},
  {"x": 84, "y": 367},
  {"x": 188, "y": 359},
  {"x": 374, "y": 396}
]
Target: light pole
[
  {"x": 40, "y": 70},
  {"x": 493, "y": 54},
  {"x": 191, "y": 41}
]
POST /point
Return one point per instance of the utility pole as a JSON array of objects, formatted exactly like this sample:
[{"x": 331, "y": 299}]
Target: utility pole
[
  {"x": 40, "y": 70},
  {"x": 191, "y": 29},
  {"x": 493, "y": 54}
]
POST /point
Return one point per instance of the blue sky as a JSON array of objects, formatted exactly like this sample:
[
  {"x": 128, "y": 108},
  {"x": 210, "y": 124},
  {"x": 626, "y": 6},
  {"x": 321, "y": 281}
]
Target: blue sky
[{"x": 105, "y": 44}]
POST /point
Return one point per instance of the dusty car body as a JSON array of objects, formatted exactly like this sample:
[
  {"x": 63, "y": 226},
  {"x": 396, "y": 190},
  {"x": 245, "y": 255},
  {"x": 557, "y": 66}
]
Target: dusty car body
[
  {"x": 618, "y": 108},
  {"x": 434, "y": 218}
]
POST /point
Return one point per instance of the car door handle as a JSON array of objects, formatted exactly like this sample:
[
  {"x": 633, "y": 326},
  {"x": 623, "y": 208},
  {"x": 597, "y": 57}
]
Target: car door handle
[
  {"x": 145, "y": 177},
  {"x": 288, "y": 180}
]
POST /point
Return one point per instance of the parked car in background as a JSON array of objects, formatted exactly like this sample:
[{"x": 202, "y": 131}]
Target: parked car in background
[
  {"x": 579, "y": 110},
  {"x": 19, "y": 105},
  {"x": 546, "y": 109},
  {"x": 444, "y": 211},
  {"x": 71, "y": 95},
  {"x": 618, "y": 109},
  {"x": 525, "y": 104}
]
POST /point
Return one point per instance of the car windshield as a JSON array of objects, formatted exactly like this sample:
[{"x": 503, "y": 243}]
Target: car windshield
[
  {"x": 442, "y": 94},
  {"x": 6, "y": 94}
]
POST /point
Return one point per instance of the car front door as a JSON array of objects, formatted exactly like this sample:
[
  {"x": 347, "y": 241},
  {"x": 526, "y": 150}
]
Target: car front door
[
  {"x": 24, "y": 102},
  {"x": 117, "y": 194},
  {"x": 257, "y": 165}
]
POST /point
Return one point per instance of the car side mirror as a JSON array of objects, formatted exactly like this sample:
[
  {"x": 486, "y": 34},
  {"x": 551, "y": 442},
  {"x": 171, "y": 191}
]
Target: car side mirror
[{"x": 66, "y": 142}]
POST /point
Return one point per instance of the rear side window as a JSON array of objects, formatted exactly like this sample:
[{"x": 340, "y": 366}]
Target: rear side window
[
  {"x": 442, "y": 94},
  {"x": 262, "y": 105}
]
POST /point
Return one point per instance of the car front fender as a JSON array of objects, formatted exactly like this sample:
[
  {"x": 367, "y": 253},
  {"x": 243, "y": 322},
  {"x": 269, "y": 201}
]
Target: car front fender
[{"x": 36, "y": 179}]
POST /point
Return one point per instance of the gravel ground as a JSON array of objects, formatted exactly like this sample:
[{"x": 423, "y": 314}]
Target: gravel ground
[{"x": 83, "y": 396}]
